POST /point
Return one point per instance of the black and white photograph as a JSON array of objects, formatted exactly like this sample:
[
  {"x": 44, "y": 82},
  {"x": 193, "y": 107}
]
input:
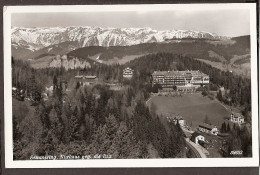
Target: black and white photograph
[{"x": 131, "y": 85}]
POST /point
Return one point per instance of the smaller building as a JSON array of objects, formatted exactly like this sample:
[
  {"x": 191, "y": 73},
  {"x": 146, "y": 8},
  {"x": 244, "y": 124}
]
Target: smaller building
[
  {"x": 180, "y": 120},
  {"x": 49, "y": 91},
  {"x": 208, "y": 128},
  {"x": 237, "y": 118},
  {"x": 128, "y": 72},
  {"x": 14, "y": 91},
  {"x": 86, "y": 80},
  {"x": 196, "y": 137},
  {"x": 222, "y": 90}
]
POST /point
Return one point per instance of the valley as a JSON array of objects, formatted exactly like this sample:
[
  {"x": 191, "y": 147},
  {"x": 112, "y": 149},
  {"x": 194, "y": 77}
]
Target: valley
[{"x": 91, "y": 88}]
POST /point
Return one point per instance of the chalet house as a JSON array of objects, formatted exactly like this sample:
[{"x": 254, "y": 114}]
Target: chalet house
[
  {"x": 237, "y": 118},
  {"x": 208, "y": 128},
  {"x": 128, "y": 72},
  {"x": 180, "y": 120},
  {"x": 196, "y": 137}
]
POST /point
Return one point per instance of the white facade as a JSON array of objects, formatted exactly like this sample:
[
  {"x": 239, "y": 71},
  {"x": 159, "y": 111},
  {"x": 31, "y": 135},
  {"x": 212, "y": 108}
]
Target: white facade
[
  {"x": 50, "y": 89},
  {"x": 208, "y": 129},
  {"x": 239, "y": 119},
  {"x": 178, "y": 119},
  {"x": 181, "y": 122},
  {"x": 199, "y": 137},
  {"x": 128, "y": 72}
]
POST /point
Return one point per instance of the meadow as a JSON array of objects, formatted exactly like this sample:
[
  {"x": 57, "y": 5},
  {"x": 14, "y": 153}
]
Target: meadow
[{"x": 192, "y": 107}]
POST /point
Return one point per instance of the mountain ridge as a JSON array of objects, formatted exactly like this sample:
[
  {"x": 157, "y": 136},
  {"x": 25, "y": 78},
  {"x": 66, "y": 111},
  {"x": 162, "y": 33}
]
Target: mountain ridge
[{"x": 36, "y": 38}]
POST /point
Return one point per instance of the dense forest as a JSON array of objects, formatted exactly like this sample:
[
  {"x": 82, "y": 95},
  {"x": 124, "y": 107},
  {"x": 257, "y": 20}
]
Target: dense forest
[
  {"x": 239, "y": 138},
  {"x": 89, "y": 120}
]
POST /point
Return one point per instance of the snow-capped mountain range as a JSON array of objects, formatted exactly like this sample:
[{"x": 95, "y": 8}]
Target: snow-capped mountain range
[{"x": 34, "y": 39}]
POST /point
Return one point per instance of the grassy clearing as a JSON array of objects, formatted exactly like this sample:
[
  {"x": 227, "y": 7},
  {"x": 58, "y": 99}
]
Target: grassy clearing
[
  {"x": 237, "y": 69},
  {"x": 123, "y": 60},
  {"x": 236, "y": 58},
  {"x": 215, "y": 55},
  {"x": 192, "y": 107},
  {"x": 43, "y": 62},
  {"x": 116, "y": 60}
]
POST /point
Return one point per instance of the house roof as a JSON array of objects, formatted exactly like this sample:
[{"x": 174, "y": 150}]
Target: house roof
[
  {"x": 128, "y": 69},
  {"x": 177, "y": 118},
  {"x": 237, "y": 115},
  {"x": 79, "y": 76},
  {"x": 86, "y": 77},
  {"x": 90, "y": 76},
  {"x": 194, "y": 135},
  {"x": 206, "y": 126}
]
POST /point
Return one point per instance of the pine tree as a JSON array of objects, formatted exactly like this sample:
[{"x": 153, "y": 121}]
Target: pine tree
[
  {"x": 74, "y": 128},
  {"x": 224, "y": 127},
  {"x": 234, "y": 126},
  {"x": 55, "y": 82},
  {"x": 206, "y": 120},
  {"x": 228, "y": 128},
  {"x": 34, "y": 90},
  {"x": 219, "y": 95},
  {"x": 77, "y": 85}
]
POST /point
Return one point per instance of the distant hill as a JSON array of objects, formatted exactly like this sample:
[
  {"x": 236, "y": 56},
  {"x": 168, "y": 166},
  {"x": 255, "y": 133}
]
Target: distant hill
[
  {"x": 202, "y": 49},
  {"x": 229, "y": 54},
  {"x": 56, "y": 49},
  {"x": 20, "y": 53}
]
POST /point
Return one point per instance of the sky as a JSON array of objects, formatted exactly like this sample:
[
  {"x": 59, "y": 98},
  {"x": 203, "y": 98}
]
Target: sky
[{"x": 222, "y": 22}]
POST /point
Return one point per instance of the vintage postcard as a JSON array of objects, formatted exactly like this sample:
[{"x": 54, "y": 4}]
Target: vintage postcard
[{"x": 131, "y": 86}]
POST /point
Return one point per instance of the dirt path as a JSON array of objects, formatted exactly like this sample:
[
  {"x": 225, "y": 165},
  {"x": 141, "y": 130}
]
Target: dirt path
[
  {"x": 197, "y": 149},
  {"x": 150, "y": 98}
]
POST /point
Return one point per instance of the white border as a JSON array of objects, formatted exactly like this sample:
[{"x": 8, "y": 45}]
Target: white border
[{"x": 199, "y": 162}]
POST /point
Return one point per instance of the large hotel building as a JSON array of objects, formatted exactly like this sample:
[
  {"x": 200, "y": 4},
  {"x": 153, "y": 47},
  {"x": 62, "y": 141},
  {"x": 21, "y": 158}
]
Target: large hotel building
[{"x": 180, "y": 79}]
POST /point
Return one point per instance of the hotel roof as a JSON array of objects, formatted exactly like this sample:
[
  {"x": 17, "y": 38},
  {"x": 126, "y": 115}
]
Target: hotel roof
[
  {"x": 179, "y": 73},
  {"x": 86, "y": 77}
]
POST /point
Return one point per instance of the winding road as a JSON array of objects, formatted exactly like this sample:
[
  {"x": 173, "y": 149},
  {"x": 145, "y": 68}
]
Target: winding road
[{"x": 194, "y": 150}]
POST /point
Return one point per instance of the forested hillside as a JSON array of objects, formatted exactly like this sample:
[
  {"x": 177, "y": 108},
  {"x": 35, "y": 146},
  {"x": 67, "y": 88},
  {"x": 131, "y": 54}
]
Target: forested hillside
[
  {"x": 96, "y": 120},
  {"x": 87, "y": 120},
  {"x": 193, "y": 48}
]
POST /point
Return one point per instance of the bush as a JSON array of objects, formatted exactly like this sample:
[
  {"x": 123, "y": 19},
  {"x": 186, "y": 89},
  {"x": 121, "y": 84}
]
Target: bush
[{"x": 204, "y": 93}]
